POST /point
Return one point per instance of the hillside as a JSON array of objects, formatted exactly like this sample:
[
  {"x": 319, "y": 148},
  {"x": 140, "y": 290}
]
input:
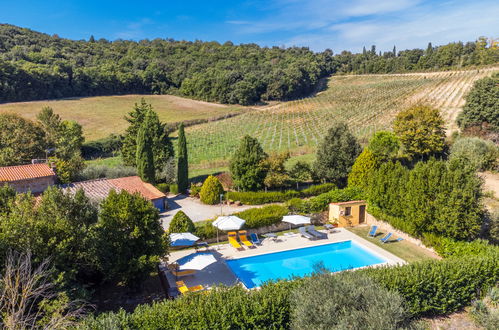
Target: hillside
[
  {"x": 366, "y": 102},
  {"x": 103, "y": 115}
]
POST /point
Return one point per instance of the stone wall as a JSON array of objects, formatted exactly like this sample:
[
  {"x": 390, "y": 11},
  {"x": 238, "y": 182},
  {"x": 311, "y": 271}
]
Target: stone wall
[
  {"x": 37, "y": 185},
  {"x": 371, "y": 220}
]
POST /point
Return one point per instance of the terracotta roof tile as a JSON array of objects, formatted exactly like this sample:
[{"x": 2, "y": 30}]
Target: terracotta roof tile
[
  {"x": 349, "y": 202},
  {"x": 100, "y": 188},
  {"x": 25, "y": 172}
]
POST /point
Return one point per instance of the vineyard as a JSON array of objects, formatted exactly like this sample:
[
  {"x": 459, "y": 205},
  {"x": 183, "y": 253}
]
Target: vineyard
[{"x": 367, "y": 103}]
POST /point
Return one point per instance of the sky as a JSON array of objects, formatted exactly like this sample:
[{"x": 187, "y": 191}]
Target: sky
[{"x": 317, "y": 24}]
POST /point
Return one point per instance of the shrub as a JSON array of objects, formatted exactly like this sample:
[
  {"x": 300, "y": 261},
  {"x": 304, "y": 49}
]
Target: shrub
[
  {"x": 297, "y": 205},
  {"x": 205, "y": 229},
  {"x": 163, "y": 187},
  {"x": 264, "y": 216},
  {"x": 92, "y": 172},
  {"x": 195, "y": 189},
  {"x": 349, "y": 300},
  {"x": 480, "y": 154},
  {"x": 211, "y": 191},
  {"x": 447, "y": 247},
  {"x": 439, "y": 287},
  {"x": 181, "y": 223},
  {"x": 174, "y": 188},
  {"x": 321, "y": 202},
  {"x": 317, "y": 190},
  {"x": 485, "y": 312},
  {"x": 256, "y": 198},
  {"x": 364, "y": 165}
]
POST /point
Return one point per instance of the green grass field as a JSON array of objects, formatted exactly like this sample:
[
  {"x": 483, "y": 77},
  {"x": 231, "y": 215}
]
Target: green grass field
[
  {"x": 404, "y": 250},
  {"x": 103, "y": 115}
]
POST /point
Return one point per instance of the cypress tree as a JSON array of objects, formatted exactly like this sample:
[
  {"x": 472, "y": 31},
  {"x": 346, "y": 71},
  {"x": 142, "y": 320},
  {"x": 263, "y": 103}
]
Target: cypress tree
[
  {"x": 144, "y": 155},
  {"x": 183, "y": 163}
]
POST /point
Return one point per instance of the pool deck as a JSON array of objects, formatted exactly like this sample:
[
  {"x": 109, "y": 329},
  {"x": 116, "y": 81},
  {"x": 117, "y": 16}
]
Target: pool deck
[{"x": 219, "y": 273}]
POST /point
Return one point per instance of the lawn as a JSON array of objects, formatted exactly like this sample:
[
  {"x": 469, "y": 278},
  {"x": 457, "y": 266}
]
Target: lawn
[
  {"x": 405, "y": 250},
  {"x": 103, "y": 115}
]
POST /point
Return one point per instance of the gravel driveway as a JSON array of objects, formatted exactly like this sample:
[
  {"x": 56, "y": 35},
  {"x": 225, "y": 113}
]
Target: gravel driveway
[{"x": 196, "y": 210}]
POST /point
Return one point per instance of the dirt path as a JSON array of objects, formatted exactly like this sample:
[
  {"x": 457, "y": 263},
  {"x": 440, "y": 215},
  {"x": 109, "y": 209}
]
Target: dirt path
[
  {"x": 491, "y": 182},
  {"x": 196, "y": 210}
]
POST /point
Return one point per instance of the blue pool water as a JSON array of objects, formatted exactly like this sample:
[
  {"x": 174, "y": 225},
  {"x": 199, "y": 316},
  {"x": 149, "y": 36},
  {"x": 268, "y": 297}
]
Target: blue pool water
[{"x": 253, "y": 271}]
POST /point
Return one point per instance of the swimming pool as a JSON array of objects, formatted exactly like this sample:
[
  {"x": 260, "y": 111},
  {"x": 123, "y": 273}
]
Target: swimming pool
[{"x": 253, "y": 271}]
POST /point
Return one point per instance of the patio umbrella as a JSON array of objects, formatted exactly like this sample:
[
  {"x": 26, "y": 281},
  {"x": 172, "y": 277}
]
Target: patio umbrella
[
  {"x": 296, "y": 219},
  {"x": 183, "y": 239},
  {"x": 196, "y": 261},
  {"x": 230, "y": 222}
]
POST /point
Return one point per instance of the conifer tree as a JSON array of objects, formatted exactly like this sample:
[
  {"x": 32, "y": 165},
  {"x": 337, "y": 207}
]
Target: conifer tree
[
  {"x": 246, "y": 167},
  {"x": 144, "y": 156},
  {"x": 183, "y": 162}
]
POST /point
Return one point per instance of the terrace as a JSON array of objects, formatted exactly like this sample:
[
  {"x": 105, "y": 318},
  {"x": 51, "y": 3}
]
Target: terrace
[{"x": 219, "y": 272}]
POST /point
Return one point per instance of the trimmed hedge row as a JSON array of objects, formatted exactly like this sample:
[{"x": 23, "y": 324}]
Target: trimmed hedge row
[
  {"x": 320, "y": 203},
  {"x": 262, "y": 197},
  {"x": 263, "y": 216},
  {"x": 429, "y": 288}
]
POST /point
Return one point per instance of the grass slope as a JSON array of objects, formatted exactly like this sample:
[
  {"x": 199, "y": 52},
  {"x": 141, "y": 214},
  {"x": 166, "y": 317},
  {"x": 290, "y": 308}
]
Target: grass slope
[
  {"x": 366, "y": 102},
  {"x": 103, "y": 115}
]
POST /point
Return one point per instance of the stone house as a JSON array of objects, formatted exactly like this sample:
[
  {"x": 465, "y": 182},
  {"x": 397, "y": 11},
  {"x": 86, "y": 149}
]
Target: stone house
[{"x": 32, "y": 177}]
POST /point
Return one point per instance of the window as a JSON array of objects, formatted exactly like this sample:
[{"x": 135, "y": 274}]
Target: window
[{"x": 348, "y": 211}]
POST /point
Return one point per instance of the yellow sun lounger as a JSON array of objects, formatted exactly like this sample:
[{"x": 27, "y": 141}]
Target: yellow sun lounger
[
  {"x": 184, "y": 289},
  {"x": 179, "y": 273},
  {"x": 242, "y": 237},
  {"x": 233, "y": 240}
]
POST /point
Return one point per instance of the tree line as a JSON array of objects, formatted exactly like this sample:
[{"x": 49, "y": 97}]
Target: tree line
[{"x": 35, "y": 66}]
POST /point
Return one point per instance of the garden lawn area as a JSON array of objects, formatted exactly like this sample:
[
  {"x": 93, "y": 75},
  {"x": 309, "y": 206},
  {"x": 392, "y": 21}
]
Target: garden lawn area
[{"x": 404, "y": 249}]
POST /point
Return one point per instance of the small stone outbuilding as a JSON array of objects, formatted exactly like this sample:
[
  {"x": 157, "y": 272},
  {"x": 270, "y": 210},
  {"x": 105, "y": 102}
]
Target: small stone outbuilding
[
  {"x": 32, "y": 177},
  {"x": 347, "y": 214}
]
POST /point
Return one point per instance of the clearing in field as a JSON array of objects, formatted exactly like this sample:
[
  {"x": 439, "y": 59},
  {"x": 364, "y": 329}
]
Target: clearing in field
[
  {"x": 103, "y": 115},
  {"x": 366, "y": 102}
]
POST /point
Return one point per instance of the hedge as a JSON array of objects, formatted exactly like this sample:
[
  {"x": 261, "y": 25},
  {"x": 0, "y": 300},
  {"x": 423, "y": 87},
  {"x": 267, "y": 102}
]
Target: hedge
[
  {"x": 205, "y": 229},
  {"x": 317, "y": 190},
  {"x": 263, "y": 216},
  {"x": 261, "y": 197},
  {"x": 430, "y": 288}
]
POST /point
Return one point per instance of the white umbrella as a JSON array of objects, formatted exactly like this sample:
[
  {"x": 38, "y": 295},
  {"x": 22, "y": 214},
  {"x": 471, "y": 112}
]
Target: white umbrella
[
  {"x": 230, "y": 222},
  {"x": 296, "y": 219},
  {"x": 196, "y": 261},
  {"x": 183, "y": 239}
]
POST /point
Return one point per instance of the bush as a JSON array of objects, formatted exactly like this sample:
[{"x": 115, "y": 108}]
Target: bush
[
  {"x": 181, "y": 223},
  {"x": 480, "y": 154},
  {"x": 296, "y": 205},
  {"x": 348, "y": 300},
  {"x": 263, "y": 216},
  {"x": 439, "y": 287},
  {"x": 205, "y": 229},
  {"x": 104, "y": 147},
  {"x": 485, "y": 312},
  {"x": 317, "y": 190},
  {"x": 211, "y": 191},
  {"x": 92, "y": 172},
  {"x": 163, "y": 187},
  {"x": 257, "y": 198},
  {"x": 447, "y": 247},
  {"x": 174, "y": 188},
  {"x": 195, "y": 189},
  {"x": 321, "y": 202}
]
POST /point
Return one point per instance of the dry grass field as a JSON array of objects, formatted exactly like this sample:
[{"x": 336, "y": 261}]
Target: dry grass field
[{"x": 103, "y": 115}]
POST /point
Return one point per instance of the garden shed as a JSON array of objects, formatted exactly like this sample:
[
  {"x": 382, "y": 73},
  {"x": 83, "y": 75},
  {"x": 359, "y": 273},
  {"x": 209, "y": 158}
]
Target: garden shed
[{"x": 347, "y": 214}]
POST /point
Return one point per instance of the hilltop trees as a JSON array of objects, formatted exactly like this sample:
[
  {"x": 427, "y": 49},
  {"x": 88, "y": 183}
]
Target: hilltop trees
[
  {"x": 162, "y": 148},
  {"x": 20, "y": 140},
  {"x": 421, "y": 131},
  {"x": 482, "y": 105},
  {"x": 336, "y": 154},
  {"x": 246, "y": 165},
  {"x": 183, "y": 162}
]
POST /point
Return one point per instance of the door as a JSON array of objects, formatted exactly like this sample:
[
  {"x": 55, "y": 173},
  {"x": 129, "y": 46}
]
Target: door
[{"x": 362, "y": 213}]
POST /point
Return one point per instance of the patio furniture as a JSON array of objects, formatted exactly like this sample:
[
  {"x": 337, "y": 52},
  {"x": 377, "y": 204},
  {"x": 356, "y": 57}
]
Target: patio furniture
[
  {"x": 386, "y": 238},
  {"x": 184, "y": 288},
  {"x": 255, "y": 239},
  {"x": 233, "y": 241},
  {"x": 182, "y": 239},
  {"x": 230, "y": 222},
  {"x": 296, "y": 220},
  {"x": 270, "y": 236},
  {"x": 196, "y": 261},
  {"x": 399, "y": 239},
  {"x": 318, "y": 234},
  {"x": 304, "y": 233},
  {"x": 290, "y": 234},
  {"x": 202, "y": 245},
  {"x": 243, "y": 238},
  {"x": 330, "y": 228},
  {"x": 174, "y": 269},
  {"x": 372, "y": 232}
]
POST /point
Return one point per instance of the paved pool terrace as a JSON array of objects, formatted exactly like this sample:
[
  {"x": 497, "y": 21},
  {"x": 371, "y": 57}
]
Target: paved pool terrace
[{"x": 219, "y": 273}]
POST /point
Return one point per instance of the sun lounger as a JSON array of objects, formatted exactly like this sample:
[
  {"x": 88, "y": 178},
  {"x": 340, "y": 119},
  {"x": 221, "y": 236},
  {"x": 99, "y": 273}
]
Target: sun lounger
[
  {"x": 313, "y": 232},
  {"x": 386, "y": 238},
  {"x": 233, "y": 241},
  {"x": 184, "y": 289},
  {"x": 255, "y": 239},
  {"x": 244, "y": 239},
  {"x": 372, "y": 232},
  {"x": 180, "y": 273},
  {"x": 303, "y": 232},
  {"x": 399, "y": 239}
]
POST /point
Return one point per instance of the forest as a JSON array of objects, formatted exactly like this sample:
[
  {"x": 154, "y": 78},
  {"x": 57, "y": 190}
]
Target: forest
[{"x": 36, "y": 66}]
